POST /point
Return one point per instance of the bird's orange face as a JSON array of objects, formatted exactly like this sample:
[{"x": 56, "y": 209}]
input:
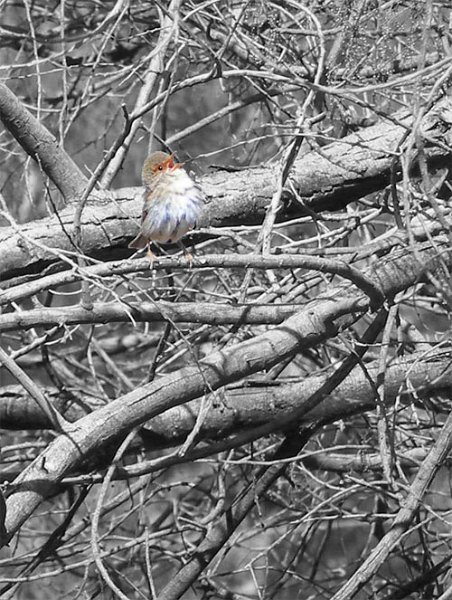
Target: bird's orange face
[{"x": 156, "y": 164}]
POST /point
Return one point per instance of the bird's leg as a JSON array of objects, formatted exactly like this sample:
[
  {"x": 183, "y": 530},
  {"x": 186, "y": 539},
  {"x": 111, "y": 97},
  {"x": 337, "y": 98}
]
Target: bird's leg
[
  {"x": 151, "y": 256},
  {"x": 187, "y": 254}
]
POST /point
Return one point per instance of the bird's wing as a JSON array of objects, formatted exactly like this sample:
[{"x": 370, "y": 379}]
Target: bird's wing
[
  {"x": 146, "y": 200},
  {"x": 144, "y": 214}
]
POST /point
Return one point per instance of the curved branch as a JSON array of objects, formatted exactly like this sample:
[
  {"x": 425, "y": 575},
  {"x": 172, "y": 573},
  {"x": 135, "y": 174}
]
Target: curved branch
[
  {"x": 210, "y": 261},
  {"x": 40, "y": 144},
  {"x": 253, "y": 404},
  {"x": 316, "y": 322}
]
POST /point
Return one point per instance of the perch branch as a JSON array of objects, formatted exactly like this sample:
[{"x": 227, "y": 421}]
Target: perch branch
[{"x": 325, "y": 179}]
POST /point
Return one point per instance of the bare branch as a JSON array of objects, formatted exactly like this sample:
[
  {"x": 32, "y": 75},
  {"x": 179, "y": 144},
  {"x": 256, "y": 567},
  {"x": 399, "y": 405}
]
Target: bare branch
[
  {"x": 178, "y": 382},
  {"x": 403, "y": 519},
  {"x": 45, "y": 406},
  {"x": 255, "y": 403},
  {"x": 303, "y": 330},
  {"x": 182, "y": 312},
  {"x": 328, "y": 178},
  {"x": 41, "y": 145},
  {"x": 168, "y": 33}
]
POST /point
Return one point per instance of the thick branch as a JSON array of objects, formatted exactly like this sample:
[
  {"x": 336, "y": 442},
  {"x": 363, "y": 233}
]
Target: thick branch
[
  {"x": 316, "y": 322},
  {"x": 234, "y": 512},
  {"x": 41, "y": 145},
  {"x": 329, "y": 178},
  {"x": 252, "y": 405}
]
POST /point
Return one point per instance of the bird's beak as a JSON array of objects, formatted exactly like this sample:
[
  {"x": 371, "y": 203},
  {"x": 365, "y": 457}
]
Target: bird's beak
[{"x": 170, "y": 164}]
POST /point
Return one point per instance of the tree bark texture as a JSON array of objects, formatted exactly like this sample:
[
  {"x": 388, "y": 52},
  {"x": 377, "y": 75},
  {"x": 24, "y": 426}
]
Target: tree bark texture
[
  {"x": 316, "y": 321},
  {"x": 251, "y": 404},
  {"x": 41, "y": 145},
  {"x": 326, "y": 179}
]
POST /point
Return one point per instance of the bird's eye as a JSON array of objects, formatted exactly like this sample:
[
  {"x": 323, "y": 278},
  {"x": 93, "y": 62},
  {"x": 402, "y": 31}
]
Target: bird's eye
[{"x": 160, "y": 167}]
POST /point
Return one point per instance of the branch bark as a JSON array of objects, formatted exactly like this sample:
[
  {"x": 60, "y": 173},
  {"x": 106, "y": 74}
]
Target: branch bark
[
  {"x": 40, "y": 144},
  {"x": 253, "y": 404},
  {"x": 316, "y": 322},
  {"x": 181, "y": 312},
  {"x": 326, "y": 179}
]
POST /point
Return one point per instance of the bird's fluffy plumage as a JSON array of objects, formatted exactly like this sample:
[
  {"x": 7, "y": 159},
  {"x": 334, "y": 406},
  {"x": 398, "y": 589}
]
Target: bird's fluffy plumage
[{"x": 172, "y": 202}]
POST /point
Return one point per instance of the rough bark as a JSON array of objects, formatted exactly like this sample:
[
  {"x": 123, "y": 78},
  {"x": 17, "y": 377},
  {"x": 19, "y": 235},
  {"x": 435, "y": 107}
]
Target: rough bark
[
  {"x": 252, "y": 404},
  {"x": 40, "y": 144},
  {"x": 325, "y": 179},
  {"x": 317, "y": 321}
]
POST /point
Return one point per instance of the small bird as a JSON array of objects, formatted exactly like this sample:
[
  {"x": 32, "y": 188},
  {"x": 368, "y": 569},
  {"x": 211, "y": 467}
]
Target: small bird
[{"x": 172, "y": 203}]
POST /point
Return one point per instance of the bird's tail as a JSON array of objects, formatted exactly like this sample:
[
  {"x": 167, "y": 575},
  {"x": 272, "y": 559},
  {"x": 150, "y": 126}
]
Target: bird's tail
[{"x": 139, "y": 242}]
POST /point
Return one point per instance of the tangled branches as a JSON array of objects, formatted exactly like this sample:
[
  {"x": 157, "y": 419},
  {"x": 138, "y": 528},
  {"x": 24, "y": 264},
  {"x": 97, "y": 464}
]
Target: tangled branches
[{"x": 268, "y": 420}]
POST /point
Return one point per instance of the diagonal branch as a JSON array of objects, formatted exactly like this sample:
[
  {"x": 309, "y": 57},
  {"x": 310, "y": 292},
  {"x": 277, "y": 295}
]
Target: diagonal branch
[
  {"x": 168, "y": 32},
  {"x": 234, "y": 514},
  {"x": 40, "y": 144},
  {"x": 29, "y": 385},
  {"x": 316, "y": 322},
  {"x": 404, "y": 517}
]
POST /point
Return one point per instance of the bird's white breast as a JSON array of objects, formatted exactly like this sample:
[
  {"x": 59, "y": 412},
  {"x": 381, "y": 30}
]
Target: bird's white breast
[{"x": 173, "y": 208}]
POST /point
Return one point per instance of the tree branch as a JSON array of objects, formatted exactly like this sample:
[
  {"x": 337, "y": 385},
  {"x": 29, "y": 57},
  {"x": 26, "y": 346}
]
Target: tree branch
[
  {"x": 312, "y": 325},
  {"x": 120, "y": 312},
  {"x": 404, "y": 517},
  {"x": 234, "y": 513},
  {"x": 254, "y": 403},
  {"x": 326, "y": 179},
  {"x": 210, "y": 261},
  {"x": 41, "y": 145}
]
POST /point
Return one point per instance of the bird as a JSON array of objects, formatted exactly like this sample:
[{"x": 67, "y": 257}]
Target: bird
[{"x": 172, "y": 203}]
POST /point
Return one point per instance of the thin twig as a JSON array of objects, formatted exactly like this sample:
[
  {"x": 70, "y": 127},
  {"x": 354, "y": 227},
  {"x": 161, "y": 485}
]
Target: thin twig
[
  {"x": 57, "y": 420},
  {"x": 404, "y": 518}
]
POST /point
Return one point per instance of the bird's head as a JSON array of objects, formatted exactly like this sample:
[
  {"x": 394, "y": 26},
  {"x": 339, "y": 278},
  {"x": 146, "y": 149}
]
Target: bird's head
[{"x": 156, "y": 165}]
